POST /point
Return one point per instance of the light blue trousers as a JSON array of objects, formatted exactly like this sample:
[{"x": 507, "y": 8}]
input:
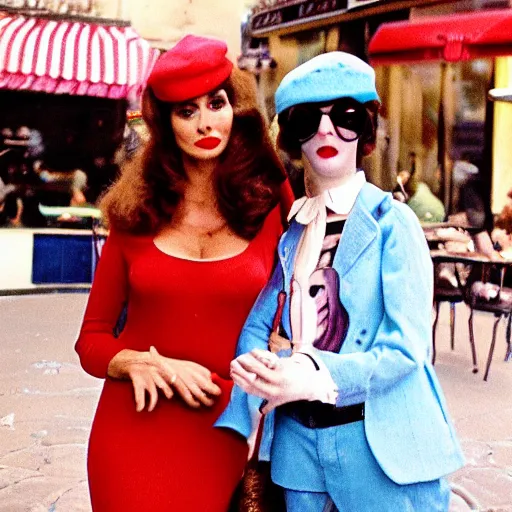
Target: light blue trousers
[
  {"x": 356, "y": 483},
  {"x": 423, "y": 497}
]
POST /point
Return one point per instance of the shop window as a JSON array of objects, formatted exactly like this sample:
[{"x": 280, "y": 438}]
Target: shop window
[{"x": 436, "y": 112}]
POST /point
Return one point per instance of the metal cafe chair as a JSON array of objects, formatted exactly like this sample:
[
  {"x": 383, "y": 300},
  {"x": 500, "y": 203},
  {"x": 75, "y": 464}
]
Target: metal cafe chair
[
  {"x": 495, "y": 299},
  {"x": 444, "y": 292},
  {"x": 480, "y": 295},
  {"x": 446, "y": 289}
]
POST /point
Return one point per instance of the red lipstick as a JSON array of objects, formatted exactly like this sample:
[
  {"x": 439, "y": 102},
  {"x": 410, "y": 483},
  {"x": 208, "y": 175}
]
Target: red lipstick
[
  {"x": 207, "y": 143},
  {"x": 326, "y": 152}
]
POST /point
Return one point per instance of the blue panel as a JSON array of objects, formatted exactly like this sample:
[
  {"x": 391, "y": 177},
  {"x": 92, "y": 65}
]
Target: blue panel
[
  {"x": 46, "y": 260},
  {"x": 62, "y": 259}
]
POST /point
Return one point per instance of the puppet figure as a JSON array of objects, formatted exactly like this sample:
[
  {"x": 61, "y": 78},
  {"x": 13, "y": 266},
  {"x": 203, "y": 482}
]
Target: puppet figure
[{"x": 356, "y": 418}]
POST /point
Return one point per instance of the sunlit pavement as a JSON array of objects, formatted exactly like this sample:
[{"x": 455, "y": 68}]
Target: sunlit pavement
[
  {"x": 482, "y": 411},
  {"x": 47, "y": 403}
]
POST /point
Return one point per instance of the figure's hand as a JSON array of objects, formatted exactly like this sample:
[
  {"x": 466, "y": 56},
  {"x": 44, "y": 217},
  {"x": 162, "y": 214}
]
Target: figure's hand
[
  {"x": 280, "y": 381},
  {"x": 145, "y": 375},
  {"x": 193, "y": 382}
]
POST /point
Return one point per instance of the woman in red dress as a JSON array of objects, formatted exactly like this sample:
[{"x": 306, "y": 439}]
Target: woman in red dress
[{"x": 194, "y": 222}]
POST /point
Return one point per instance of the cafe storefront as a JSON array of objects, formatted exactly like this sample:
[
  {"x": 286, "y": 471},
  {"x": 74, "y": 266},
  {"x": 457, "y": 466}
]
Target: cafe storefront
[{"x": 69, "y": 81}]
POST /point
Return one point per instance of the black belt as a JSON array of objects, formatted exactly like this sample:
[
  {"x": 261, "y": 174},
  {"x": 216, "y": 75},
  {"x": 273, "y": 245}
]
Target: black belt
[{"x": 316, "y": 414}]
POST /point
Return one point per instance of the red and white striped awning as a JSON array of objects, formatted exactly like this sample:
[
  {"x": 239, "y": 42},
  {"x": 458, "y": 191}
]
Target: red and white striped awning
[{"x": 73, "y": 57}]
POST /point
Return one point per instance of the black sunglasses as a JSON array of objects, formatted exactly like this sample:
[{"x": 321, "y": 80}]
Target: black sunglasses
[{"x": 348, "y": 117}]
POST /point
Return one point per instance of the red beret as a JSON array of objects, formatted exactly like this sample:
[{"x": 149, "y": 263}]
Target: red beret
[{"x": 195, "y": 66}]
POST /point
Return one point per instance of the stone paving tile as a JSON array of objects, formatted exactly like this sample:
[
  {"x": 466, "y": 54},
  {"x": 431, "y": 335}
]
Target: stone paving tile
[
  {"x": 10, "y": 476},
  {"x": 502, "y": 455},
  {"x": 63, "y": 460},
  {"x": 75, "y": 500},
  {"x": 491, "y": 486},
  {"x": 37, "y": 493},
  {"x": 457, "y": 504},
  {"x": 67, "y": 436}
]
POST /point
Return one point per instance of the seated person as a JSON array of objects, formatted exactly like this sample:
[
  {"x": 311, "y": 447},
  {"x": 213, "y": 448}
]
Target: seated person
[
  {"x": 74, "y": 182},
  {"x": 501, "y": 234},
  {"x": 418, "y": 196},
  {"x": 8, "y": 215},
  {"x": 474, "y": 209}
]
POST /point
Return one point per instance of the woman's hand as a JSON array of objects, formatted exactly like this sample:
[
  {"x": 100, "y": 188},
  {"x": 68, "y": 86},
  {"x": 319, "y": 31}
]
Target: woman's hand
[
  {"x": 150, "y": 371},
  {"x": 145, "y": 374},
  {"x": 193, "y": 382}
]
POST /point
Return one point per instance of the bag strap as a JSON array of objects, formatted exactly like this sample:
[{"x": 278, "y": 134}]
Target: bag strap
[
  {"x": 257, "y": 441},
  {"x": 281, "y": 299}
]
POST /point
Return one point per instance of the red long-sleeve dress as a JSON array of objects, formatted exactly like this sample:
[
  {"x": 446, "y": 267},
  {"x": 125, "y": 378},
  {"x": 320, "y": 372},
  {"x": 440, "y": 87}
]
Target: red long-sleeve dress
[{"x": 170, "y": 459}]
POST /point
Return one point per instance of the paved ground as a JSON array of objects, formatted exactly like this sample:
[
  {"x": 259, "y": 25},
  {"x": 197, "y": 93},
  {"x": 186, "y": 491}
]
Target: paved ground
[
  {"x": 47, "y": 403},
  {"x": 482, "y": 411}
]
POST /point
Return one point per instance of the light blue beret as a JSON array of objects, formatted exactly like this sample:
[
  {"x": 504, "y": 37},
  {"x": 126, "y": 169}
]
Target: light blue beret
[{"x": 327, "y": 77}]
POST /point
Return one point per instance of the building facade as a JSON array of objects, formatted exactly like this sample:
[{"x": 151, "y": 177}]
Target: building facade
[
  {"x": 164, "y": 23},
  {"x": 435, "y": 108}
]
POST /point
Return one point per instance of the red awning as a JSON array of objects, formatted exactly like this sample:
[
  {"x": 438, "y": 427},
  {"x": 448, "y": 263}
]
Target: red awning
[
  {"x": 452, "y": 38},
  {"x": 68, "y": 57}
]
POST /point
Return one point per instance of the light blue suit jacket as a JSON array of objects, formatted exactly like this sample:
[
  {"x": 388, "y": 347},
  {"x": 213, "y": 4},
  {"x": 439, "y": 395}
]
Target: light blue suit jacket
[{"x": 386, "y": 287}]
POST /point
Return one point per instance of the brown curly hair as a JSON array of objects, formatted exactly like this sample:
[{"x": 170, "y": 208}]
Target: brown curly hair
[
  {"x": 247, "y": 180},
  {"x": 365, "y": 146}
]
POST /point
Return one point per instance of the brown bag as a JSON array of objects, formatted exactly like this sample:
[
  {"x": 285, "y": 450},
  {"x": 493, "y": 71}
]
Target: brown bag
[{"x": 256, "y": 491}]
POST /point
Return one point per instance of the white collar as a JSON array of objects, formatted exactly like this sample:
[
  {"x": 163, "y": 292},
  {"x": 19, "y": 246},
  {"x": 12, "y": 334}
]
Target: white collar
[{"x": 339, "y": 199}]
